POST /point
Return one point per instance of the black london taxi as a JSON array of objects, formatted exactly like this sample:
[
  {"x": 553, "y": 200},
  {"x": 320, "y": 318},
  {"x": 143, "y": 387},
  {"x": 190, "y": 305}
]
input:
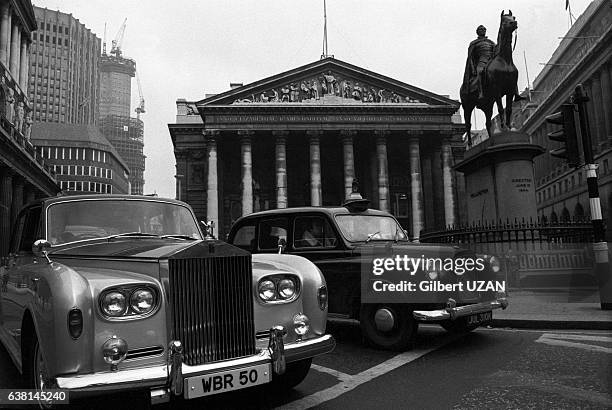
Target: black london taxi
[{"x": 336, "y": 239}]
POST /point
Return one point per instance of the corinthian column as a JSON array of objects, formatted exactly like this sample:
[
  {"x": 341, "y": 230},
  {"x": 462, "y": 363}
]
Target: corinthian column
[
  {"x": 447, "y": 182},
  {"x": 598, "y": 109},
  {"x": 606, "y": 92},
  {"x": 314, "y": 138},
  {"x": 348, "y": 160},
  {"x": 23, "y": 65},
  {"x": 382, "y": 170},
  {"x": 247, "y": 171},
  {"x": 212, "y": 186},
  {"x": 415, "y": 187},
  {"x": 17, "y": 199},
  {"x": 5, "y": 32},
  {"x": 281, "y": 168},
  {"x": 15, "y": 49}
]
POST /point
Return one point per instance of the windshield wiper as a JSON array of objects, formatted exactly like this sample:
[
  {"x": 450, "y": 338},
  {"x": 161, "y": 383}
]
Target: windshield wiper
[
  {"x": 178, "y": 236},
  {"x": 372, "y": 235},
  {"x": 148, "y": 235}
]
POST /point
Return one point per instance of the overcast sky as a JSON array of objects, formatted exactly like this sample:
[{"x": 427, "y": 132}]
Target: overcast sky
[{"x": 184, "y": 49}]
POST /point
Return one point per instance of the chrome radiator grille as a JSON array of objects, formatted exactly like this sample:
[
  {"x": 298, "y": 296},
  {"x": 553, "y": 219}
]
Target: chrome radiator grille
[{"x": 212, "y": 307}]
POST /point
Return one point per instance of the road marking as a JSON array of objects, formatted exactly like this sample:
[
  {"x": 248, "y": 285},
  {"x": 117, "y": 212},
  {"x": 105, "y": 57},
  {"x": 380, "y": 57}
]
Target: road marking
[
  {"x": 351, "y": 382},
  {"x": 560, "y": 339},
  {"x": 337, "y": 374}
]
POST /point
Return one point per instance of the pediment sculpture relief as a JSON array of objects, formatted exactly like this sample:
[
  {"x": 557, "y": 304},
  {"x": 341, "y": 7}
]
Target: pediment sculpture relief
[{"x": 324, "y": 85}]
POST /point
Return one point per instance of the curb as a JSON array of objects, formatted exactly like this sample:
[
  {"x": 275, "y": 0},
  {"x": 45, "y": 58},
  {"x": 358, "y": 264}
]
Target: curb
[{"x": 552, "y": 324}]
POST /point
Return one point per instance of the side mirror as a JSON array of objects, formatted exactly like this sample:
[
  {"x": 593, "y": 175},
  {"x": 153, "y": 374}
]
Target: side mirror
[
  {"x": 40, "y": 249},
  {"x": 282, "y": 242}
]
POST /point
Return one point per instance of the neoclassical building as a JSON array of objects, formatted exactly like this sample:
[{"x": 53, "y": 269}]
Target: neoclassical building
[
  {"x": 301, "y": 137},
  {"x": 23, "y": 173}
]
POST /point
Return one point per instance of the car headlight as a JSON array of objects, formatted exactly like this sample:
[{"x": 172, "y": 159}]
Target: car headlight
[
  {"x": 113, "y": 303},
  {"x": 495, "y": 264},
  {"x": 267, "y": 290},
  {"x": 142, "y": 301},
  {"x": 286, "y": 289}
]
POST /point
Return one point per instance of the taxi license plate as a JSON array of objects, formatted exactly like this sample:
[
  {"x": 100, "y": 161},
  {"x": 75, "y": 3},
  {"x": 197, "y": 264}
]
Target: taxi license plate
[
  {"x": 479, "y": 318},
  {"x": 213, "y": 383}
]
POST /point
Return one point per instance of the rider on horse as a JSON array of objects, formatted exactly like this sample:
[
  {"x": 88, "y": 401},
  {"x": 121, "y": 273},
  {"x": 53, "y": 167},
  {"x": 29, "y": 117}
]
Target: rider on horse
[{"x": 480, "y": 52}]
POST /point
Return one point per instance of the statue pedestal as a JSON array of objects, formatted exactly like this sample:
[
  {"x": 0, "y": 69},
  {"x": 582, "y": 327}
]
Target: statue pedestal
[{"x": 499, "y": 178}]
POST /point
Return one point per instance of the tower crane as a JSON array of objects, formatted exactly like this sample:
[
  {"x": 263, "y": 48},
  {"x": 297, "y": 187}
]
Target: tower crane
[
  {"x": 116, "y": 43},
  {"x": 141, "y": 106}
]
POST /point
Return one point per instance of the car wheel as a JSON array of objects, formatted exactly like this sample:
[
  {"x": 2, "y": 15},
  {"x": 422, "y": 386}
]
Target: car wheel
[
  {"x": 36, "y": 372},
  {"x": 388, "y": 326},
  {"x": 295, "y": 373},
  {"x": 458, "y": 325}
]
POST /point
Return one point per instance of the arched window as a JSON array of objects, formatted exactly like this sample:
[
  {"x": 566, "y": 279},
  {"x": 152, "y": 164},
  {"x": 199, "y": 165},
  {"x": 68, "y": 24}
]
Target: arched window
[
  {"x": 565, "y": 215},
  {"x": 579, "y": 211},
  {"x": 553, "y": 218}
]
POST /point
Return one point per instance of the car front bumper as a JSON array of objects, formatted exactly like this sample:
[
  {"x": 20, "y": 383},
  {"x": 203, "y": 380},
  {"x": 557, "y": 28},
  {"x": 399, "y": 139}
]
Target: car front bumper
[
  {"x": 455, "y": 312},
  {"x": 163, "y": 380}
]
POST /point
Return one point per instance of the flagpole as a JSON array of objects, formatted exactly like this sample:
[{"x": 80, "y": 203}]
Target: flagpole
[{"x": 527, "y": 72}]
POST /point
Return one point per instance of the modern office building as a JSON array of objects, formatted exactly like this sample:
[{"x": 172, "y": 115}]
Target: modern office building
[
  {"x": 24, "y": 175},
  {"x": 84, "y": 161},
  {"x": 64, "y": 67}
]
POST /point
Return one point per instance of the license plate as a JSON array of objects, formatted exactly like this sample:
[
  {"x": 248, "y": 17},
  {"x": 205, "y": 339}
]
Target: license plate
[
  {"x": 213, "y": 383},
  {"x": 479, "y": 318}
]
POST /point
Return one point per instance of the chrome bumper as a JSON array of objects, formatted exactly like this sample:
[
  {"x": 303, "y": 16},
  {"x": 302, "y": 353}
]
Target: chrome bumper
[
  {"x": 162, "y": 379},
  {"x": 453, "y": 313}
]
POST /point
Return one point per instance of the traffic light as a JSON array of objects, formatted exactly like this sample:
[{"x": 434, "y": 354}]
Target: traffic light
[{"x": 566, "y": 134}]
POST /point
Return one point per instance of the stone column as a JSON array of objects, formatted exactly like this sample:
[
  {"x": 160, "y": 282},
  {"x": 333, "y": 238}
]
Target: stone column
[
  {"x": 447, "y": 182},
  {"x": 314, "y": 139},
  {"x": 598, "y": 108},
  {"x": 23, "y": 65},
  {"x": 415, "y": 187},
  {"x": 15, "y": 50},
  {"x": 428, "y": 192},
  {"x": 6, "y": 193},
  {"x": 591, "y": 114},
  {"x": 246, "y": 161},
  {"x": 17, "y": 200},
  {"x": 348, "y": 160},
  {"x": 5, "y": 32},
  {"x": 30, "y": 195},
  {"x": 606, "y": 92},
  {"x": 437, "y": 187},
  {"x": 382, "y": 168},
  {"x": 281, "y": 168},
  {"x": 212, "y": 184}
]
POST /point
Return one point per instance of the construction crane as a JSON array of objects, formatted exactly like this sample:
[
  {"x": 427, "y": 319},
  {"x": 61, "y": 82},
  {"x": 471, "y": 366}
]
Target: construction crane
[
  {"x": 141, "y": 106},
  {"x": 116, "y": 48}
]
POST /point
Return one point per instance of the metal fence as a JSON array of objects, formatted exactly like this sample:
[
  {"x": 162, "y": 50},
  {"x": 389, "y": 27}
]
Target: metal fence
[{"x": 534, "y": 253}]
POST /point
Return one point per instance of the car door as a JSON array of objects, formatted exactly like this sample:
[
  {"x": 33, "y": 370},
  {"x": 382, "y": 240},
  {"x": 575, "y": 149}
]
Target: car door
[{"x": 315, "y": 238}]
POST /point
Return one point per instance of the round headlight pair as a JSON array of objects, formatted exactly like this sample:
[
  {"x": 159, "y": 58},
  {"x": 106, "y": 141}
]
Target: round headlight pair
[
  {"x": 281, "y": 289},
  {"x": 139, "y": 302}
]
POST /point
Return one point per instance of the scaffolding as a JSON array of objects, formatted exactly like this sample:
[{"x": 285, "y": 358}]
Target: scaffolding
[{"x": 127, "y": 136}]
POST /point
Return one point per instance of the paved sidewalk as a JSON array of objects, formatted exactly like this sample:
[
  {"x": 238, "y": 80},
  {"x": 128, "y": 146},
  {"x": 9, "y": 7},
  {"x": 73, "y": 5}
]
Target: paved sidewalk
[{"x": 553, "y": 309}]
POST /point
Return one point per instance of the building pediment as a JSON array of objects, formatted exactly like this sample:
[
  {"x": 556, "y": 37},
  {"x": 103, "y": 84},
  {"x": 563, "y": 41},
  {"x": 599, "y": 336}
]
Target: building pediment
[{"x": 328, "y": 82}]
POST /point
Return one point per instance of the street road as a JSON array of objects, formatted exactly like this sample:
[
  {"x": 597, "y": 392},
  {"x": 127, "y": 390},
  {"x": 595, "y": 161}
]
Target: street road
[{"x": 488, "y": 368}]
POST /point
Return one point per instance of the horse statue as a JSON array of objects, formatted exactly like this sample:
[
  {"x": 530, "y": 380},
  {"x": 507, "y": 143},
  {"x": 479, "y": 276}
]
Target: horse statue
[{"x": 498, "y": 79}]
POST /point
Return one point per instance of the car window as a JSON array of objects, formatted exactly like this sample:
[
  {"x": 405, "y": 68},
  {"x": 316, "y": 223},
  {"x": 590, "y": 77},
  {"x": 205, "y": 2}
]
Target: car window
[
  {"x": 270, "y": 231},
  {"x": 313, "y": 232},
  {"x": 245, "y": 237},
  {"x": 369, "y": 227},
  {"x": 29, "y": 229}
]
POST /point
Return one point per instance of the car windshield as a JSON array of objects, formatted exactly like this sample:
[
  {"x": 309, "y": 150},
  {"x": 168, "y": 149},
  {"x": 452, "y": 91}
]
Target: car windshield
[
  {"x": 76, "y": 220},
  {"x": 358, "y": 228}
]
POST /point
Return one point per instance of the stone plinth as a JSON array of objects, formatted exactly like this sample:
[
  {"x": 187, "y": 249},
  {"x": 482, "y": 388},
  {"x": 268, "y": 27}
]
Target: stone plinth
[{"x": 499, "y": 178}]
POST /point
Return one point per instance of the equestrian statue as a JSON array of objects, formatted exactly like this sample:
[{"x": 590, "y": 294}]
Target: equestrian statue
[{"x": 489, "y": 75}]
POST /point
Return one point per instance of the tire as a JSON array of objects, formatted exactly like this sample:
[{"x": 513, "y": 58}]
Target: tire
[
  {"x": 35, "y": 371},
  {"x": 457, "y": 326},
  {"x": 295, "y": 373},
  {"x": 400, "y": 335}
]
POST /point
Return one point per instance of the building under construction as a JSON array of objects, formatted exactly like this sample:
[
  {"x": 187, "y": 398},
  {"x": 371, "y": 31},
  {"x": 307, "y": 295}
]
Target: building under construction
[{"x": 124, "y": 132}]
